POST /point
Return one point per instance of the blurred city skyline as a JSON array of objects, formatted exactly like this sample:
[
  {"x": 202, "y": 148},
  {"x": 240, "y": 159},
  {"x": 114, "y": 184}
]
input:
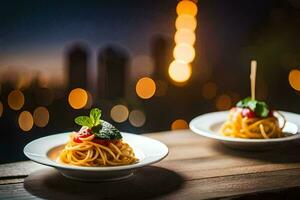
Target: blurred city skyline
[
  {"x": 38, "y": 34},
  {"x": 149, "y": 65},
  {"x": 37, "y": 37}
]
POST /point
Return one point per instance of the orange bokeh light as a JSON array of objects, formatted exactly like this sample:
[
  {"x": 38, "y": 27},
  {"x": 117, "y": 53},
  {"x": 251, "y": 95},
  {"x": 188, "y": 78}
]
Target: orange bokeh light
[
  {"x": 186, "y": 22},
  {"x": 78, "y": 98},
  {"x": 294, "y": 79},
  {"x": 185, "y": 36},
  {"x": 25, "y": 121},
  {"x": 16, "y": 99},
  {"x": 179, "y": 71},
  {"x": 41, "y": 116},
  {"x": 184, "y": 53},
  {"x": 223, "y": 102},
  {"x": 145, "y": 88},
  {"x": 179, "y": 124},
  {"x": 186, "y": 7}
]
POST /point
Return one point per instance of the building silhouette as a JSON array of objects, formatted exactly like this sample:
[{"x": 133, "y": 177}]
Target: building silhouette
[
  {"x": 161, "y": 53},
  {"x": 77, "y": 57},
  {"x": 112, "y": 72}
]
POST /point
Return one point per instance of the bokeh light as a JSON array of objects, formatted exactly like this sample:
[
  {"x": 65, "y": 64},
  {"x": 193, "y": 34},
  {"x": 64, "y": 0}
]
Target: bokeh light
[
  {"x": 16, "y": 99},
  {"x": 185, "y": 36},
  {"x": 294, "y": 79},
  {"x": 78, "y": 98},
  {"x": 41, "y": 116},
  {"x": 223, "y": 102},
  {"x": 179, "y": 124},
  {"x": 145, "y": 88},
  {"x": 137, "y": 118},
  {"x": 186, "y": 22},
  {"x": 184, "y": 53},
  {"x": 209, "y": 90},
  {"x": 119, "y": 113},
  {"x": 186, "y": 7},
  {"x": 179, "y": 71},
  {"x": 25, "y": 121},
  {"x": 1, "y": 108}
]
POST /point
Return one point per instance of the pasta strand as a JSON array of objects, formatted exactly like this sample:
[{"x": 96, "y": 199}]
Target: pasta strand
[
  {"x": 252, "y": 128},
  {"x": 89, "y": 153}
]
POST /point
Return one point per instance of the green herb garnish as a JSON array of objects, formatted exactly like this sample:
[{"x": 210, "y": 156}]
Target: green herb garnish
[
  {"x": 100, "y": 128},
  {"x": 260, "y": 108}
]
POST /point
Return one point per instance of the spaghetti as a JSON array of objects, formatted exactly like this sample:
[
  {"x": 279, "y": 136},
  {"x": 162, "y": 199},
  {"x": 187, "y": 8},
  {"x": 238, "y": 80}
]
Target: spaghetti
[
  {"x": 252, "y": 118},
  {"x": 92, "y": 152},
  {"x": 252, "y": 127},
  {"x": 98, "y": 143}
]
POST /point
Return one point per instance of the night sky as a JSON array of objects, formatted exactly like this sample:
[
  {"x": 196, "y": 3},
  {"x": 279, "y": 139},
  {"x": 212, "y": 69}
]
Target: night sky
[{"x": 34, "y": 34}]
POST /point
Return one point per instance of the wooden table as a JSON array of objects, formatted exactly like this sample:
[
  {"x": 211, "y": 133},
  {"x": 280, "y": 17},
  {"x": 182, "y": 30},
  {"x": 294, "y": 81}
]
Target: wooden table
[{"x": 196, "y": 168}]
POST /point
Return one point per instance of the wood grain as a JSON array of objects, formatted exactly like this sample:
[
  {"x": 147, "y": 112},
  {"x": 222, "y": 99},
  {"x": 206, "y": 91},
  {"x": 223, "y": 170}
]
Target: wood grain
[
  {"x": 196, "y": 168},
  {"x": 19, "y": 169}
]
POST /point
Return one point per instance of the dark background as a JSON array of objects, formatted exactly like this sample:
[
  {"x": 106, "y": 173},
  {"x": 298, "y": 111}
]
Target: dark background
[{"x": 48, "y": 48}]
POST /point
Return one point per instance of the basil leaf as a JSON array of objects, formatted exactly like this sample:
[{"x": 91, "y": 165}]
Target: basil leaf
[
  {"x": 252, "y": 104},
  {"x": 97, "y": 131},
  {"x": 243, "y": 103},
  {"x": 261, "y": 109},
  {"x": 106, "y": 131},
  {"x": 100, "y": 128},
  {"x": 84, "y": 121},
  {"x": 95, "y": 115}
]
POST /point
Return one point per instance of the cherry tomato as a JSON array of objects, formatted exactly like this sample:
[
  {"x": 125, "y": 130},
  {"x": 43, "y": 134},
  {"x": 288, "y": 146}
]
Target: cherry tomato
[
  {"x": 77, "y": 139},
  {"x": 271, "y": 113},
  {"x": 84, "y": 134},
  {"x": 246, "y": 112}
]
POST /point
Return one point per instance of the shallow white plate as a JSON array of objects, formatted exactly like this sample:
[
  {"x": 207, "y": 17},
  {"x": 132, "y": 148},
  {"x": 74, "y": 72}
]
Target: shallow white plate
[
  {"x": 45, "y": 151},
  {"x": 209, "y": 124}
]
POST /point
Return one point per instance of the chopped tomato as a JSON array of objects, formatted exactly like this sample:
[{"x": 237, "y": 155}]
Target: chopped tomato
[
  {"x": 77, "y": 139},
  {"x": 246, "y": 112},
  {"x": 271, "y": 113},
  {"x": 83, "y": 134}
]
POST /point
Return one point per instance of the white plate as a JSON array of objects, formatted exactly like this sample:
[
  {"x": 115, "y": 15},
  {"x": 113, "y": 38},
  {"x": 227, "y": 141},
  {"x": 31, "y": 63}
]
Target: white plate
[
  {"x": 45, "y": 151},
  {"x": 209, "y": 124}
]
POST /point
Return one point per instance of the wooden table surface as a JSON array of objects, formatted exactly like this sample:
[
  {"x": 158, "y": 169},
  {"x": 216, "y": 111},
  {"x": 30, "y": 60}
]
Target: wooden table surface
[{"x": 196, "y": 168}]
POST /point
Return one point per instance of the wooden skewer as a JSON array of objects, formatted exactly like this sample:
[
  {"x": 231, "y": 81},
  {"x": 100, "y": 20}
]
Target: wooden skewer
[{"x": 253, "y": 78}]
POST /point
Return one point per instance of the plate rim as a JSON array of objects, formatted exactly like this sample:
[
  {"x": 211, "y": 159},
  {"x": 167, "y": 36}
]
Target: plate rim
[
  {"x": 59, "y": 166},
  {"x": 208, "y": 134}
]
